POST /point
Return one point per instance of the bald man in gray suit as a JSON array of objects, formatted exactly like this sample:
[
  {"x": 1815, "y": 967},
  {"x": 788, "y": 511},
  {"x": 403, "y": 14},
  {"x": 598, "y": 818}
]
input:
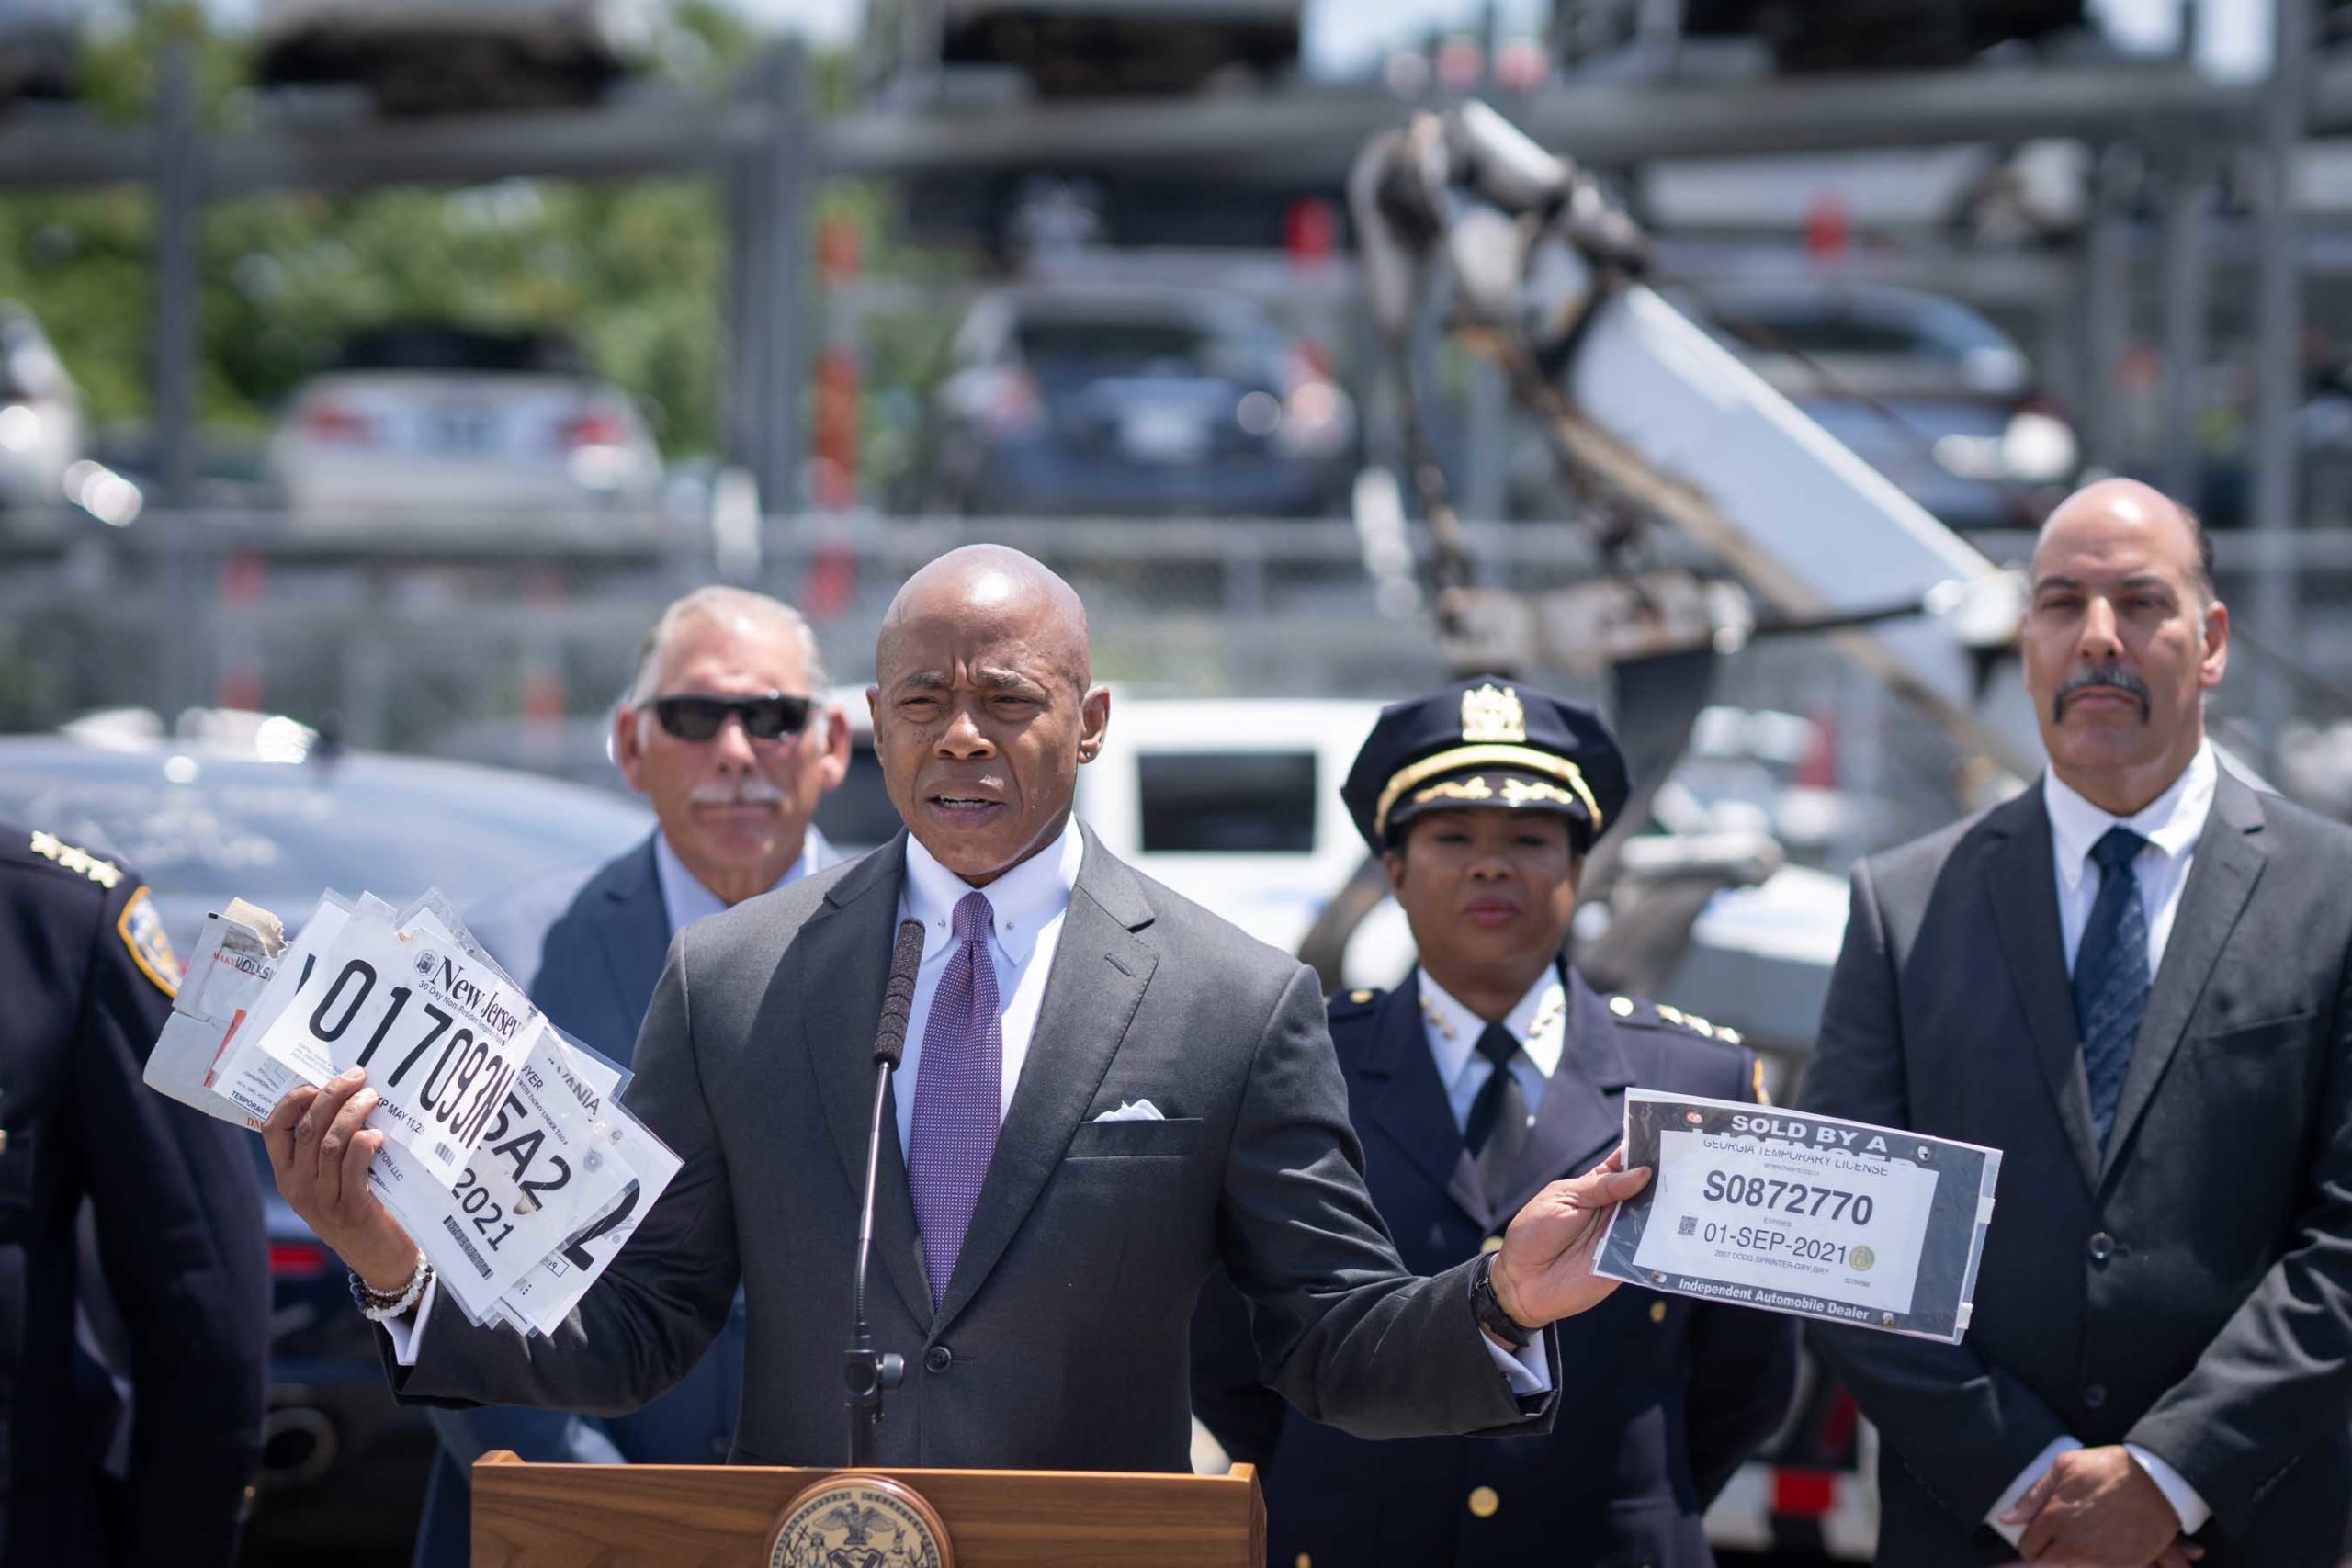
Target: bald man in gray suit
[{"x": 1107, "y": 1090}]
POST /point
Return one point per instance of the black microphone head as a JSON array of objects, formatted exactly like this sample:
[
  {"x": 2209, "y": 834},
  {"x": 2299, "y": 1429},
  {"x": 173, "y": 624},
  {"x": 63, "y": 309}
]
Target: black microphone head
[{"x": 899, "y": 995}]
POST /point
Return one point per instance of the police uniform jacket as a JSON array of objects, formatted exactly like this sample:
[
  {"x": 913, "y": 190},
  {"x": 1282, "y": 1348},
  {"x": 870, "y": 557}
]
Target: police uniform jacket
[
  {"x": 1661, "y": 1397},
  {"x": 85, "y": 983}
]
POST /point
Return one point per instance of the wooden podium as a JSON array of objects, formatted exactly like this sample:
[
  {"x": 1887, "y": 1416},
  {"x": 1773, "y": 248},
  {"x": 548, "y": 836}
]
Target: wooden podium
[{"x": 679, "y": 1516}]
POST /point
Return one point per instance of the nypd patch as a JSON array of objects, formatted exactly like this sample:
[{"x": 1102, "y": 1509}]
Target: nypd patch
[{"x": 141, "y": 929}]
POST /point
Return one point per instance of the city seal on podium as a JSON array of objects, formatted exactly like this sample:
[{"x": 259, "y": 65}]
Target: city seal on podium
[{"x": 859, "y": 1521}]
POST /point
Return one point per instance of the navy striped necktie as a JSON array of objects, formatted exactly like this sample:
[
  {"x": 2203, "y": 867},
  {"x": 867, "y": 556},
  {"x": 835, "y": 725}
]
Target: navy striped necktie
[{"x": 2111, "y": 975}]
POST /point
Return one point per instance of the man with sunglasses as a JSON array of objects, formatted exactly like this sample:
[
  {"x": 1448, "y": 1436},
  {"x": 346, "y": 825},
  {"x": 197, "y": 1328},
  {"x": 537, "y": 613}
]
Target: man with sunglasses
[{"x": 723, "y": 729}]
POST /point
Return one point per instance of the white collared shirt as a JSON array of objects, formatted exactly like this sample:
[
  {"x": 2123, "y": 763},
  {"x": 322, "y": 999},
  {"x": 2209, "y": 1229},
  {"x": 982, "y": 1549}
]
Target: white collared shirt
[
  {"x": 685, "y": 898},
  {"x": 1028, "y": 904},
  {"x": 2171, "y": 823},
  {"x": 1539, "y": 1022}
]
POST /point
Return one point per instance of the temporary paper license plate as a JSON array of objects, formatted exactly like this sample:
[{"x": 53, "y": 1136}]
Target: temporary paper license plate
[{"x": 1824, "y": 1218}]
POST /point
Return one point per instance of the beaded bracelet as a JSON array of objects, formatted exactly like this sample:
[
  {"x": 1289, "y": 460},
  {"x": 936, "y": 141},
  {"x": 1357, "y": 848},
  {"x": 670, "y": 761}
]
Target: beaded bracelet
[{"x": 381, "y": 1306}]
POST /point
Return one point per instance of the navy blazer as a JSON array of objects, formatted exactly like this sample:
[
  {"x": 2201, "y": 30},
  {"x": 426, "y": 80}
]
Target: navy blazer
[
  {"x": 588, "y": 952},
  {"x": 169, "y": 1195},
  {"x": 1661, "y": 1397}
]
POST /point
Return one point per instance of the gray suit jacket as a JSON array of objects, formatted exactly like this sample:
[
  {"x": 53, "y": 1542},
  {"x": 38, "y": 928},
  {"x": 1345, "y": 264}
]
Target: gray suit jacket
[
  {"x": 1061, "y": 1341},
  {"x": 2190, "y": 1289}
]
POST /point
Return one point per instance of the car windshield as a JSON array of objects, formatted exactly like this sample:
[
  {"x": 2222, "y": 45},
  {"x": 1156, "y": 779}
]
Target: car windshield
[
  {"x": 435, "y": 348},
  {"x": 1099, "y": 346},
  {"x": 1937, "y": 331}
]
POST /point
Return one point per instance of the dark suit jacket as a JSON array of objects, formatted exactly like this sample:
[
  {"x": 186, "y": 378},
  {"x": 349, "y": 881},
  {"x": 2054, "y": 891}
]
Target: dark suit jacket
[
  {"x": 2190, "y": 1289},
  {"x": 1665, "y": 1396},
  {"x": 179, "y": 1237},
  {"x": 1062, "y": 1339}
]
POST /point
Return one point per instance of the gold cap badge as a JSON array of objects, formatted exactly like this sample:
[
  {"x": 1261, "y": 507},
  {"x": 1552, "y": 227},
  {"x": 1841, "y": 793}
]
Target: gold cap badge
[{"x": 1492, "y": 713}]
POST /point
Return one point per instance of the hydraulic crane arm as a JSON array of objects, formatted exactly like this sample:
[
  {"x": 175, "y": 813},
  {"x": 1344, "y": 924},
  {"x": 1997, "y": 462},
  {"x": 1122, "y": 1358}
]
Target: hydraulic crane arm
[{"x": 1639, "y": 400}]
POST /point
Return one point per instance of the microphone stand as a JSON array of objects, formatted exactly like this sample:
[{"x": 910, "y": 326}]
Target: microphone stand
[{"x": 868, "y": 1374}]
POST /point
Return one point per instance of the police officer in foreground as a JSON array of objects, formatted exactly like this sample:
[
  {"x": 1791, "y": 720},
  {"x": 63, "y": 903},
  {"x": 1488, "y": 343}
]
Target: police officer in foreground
[
  {"x": 1490, "y": 1071},
  {"x": 87, "y": 979}
]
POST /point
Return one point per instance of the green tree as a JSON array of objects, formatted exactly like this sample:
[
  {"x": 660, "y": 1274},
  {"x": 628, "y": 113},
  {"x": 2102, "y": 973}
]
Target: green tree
[{"x": 635, "y": 269}]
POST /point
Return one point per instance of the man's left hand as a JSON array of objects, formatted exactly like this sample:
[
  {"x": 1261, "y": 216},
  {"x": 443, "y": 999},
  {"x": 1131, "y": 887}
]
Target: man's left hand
[
  {"x": 2095, "y": 1506},
  {"x": 1544, "y": 1269}
]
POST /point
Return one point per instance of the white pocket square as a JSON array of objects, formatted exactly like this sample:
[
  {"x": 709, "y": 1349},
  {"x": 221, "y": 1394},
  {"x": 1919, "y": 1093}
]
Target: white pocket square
[{"x": 1133, "y": 1111}]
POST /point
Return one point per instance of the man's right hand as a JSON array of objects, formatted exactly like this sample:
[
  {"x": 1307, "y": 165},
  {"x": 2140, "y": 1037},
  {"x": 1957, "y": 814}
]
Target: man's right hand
[{"x": 319, "y": 1155}]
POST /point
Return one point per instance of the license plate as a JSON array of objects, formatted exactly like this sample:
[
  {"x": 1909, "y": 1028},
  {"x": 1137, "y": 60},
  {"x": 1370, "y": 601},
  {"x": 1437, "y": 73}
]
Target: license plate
[
  {"x": 1163, "y": 436},
  {"x": 1838, "y": 1221},
  {"x": 459, "y": 430}
]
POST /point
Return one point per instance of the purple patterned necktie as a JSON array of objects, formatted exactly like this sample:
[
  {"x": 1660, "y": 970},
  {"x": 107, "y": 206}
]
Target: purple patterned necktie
[{"x": 958, "y": 1090}]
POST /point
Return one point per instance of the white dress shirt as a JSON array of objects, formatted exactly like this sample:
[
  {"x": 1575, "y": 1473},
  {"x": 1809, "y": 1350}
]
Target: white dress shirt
[
  {"x": 1027, "y": 905},
  {"x": 2172, "y": 824},
  {"x": 1539, "y": 1022}
]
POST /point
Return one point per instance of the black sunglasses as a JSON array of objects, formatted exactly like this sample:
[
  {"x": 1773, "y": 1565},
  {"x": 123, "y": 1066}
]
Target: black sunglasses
[{"x": 692, "y": 716}]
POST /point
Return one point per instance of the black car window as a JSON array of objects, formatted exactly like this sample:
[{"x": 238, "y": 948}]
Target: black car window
[
  {"x": 859, "y": 815},
  {"x": 1078, "y": 346},
  {"x": 1228, "y": 802}
]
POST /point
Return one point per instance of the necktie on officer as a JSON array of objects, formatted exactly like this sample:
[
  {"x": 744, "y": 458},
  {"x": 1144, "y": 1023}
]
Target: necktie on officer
[
  {"x": 958, "y": 1095},
  {"x": 2111, "y": 975},
  {"x": 1496, "y": 1130}
]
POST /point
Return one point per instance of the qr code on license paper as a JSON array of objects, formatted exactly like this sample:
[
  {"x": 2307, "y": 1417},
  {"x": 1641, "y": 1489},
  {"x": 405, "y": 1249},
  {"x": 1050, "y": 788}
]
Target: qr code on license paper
[{"x": 1686, "y": 1225}]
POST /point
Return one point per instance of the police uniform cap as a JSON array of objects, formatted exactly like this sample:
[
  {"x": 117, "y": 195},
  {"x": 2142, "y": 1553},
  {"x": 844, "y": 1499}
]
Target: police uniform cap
[{"x": 1485, "y": 742}]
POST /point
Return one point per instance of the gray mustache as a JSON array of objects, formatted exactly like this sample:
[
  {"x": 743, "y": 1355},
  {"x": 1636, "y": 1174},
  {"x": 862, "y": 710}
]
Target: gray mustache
[
  {"x": 2111, "y": 675},
  {"x": 750, "y": 790}
]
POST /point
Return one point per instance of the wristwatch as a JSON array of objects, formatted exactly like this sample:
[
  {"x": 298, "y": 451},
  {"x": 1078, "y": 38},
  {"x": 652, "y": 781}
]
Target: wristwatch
[{"x": 1489, "y": 1309}]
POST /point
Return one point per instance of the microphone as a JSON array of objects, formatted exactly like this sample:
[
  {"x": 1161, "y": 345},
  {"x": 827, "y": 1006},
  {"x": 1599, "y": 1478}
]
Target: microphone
[
  {"x": 866, "y": 1374},
  {"x": 898, "y": 996}
]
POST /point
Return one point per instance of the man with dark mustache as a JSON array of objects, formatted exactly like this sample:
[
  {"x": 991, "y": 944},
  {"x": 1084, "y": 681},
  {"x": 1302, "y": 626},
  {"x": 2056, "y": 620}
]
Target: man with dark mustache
[
  {"x": 1106, "y": 1091},
  {"x": 725, "y": 729},
  {"x": 2135, "y": 979}
]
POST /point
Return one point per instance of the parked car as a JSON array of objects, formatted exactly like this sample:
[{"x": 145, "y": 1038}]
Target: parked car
[
  {"x": 428, "y": 56},
  {"x": 422, "y": 425},
  {"x": 1068, "y": 47},
  {"x": 1922, "y": 387},
  {"x": 1828, "y": 35},
  {"x": 41, "y": 429},
  {"x": 1130, "y": 400},
  {"x": 36, "y": 44},
  {"x": 254, "y": 808}
]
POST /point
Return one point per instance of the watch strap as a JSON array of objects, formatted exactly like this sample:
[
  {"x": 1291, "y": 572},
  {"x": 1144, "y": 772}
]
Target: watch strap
[{"x": 1488, "y": 1308}]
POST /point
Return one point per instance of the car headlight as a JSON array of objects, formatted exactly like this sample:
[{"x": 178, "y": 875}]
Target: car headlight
[
  {"x": 1316, "y": 420},
  {"x": 2039, "y": 448}
]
